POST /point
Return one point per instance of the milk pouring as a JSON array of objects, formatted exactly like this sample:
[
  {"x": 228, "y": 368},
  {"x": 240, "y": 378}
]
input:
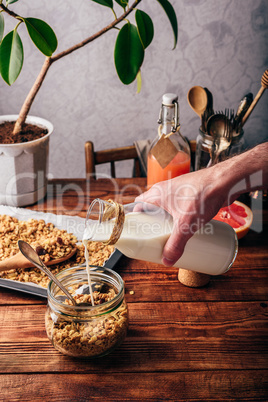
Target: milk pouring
[{"x": 211, "y": 250}]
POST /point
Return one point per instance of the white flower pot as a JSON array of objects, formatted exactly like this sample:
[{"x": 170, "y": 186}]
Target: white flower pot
[{"x": 23, "y": 167}]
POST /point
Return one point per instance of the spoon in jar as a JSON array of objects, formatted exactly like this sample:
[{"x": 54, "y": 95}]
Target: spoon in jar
[
  {"x": 219, "y": 127},
  {"x": 198, "y": 100},
  {"x": 33, "y": 257}
]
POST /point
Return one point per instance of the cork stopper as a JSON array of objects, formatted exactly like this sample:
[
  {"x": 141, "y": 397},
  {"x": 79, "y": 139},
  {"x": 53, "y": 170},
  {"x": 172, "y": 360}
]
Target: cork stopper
[{"x": 193, "y": 279}]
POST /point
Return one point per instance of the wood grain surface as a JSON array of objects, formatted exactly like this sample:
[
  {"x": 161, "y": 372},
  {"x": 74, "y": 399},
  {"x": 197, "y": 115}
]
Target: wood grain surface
[{"x": 183, "y": 344}]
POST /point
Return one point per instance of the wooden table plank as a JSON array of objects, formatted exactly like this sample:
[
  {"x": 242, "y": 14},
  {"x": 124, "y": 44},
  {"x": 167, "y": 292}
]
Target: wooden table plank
[
  {"x": 169, "y": 336},
  {"x": 206, "y": 344},
  {"x": 161, "y": 284},
  {"x": 73, "y": 196},
  {"x": 149, "y": 281},
  {"x": 183, "y": 386}
]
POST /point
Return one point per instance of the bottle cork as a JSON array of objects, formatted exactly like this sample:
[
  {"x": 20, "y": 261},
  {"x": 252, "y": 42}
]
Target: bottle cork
[{"x": 193, "y": 279}]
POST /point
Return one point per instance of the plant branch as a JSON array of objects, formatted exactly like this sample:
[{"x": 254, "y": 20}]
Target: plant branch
[
  {"x": 31, "y": 96},
  {"x": 97, "y": 34},
  {"x": 49, "y": 60},
  {"x": 11, "y": 13}
]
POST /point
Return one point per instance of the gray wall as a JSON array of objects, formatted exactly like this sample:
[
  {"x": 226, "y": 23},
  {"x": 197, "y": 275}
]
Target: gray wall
[{"x": 222, "y": 45}]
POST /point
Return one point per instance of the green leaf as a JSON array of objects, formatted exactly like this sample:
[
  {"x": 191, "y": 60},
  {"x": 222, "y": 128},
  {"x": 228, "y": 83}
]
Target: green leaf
[
  {"x": 11, "y": 57},
  {"x": 2, "y": 26},
  {"x": 122, "y": 3},
  {"x": 139, "y": 82},
  {"x": 145, "y": 27},
  {"x": 172, "y": 18},
  {"x": 42, "y": 35},
  {"x": 10, "y": 2},
  {"x": 128, "y": 53},
  {"x": 107, "y": 3}
]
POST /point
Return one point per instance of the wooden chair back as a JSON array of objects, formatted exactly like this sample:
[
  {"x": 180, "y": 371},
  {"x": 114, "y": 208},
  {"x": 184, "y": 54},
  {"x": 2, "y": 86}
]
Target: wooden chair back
[{"x": 111, "y": 156}]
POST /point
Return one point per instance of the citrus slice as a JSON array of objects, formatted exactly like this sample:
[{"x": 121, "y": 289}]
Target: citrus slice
[{"x": 237, "y": 215}]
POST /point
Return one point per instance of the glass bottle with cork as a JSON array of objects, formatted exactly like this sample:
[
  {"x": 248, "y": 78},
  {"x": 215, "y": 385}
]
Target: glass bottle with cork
[{"x": 169, "y": 154}]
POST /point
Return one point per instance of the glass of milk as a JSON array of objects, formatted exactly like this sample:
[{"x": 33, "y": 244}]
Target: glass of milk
[{"x": 211, "y": 250}]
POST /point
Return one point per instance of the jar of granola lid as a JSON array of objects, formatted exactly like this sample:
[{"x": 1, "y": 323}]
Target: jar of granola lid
[{"x": 87, "y": 331}]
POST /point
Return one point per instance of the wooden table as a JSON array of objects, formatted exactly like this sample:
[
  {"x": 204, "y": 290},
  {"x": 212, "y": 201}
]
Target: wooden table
[{"x": 183, "y": 344}]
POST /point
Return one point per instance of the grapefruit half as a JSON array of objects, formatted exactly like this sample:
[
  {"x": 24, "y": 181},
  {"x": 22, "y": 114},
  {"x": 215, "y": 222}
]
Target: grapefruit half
[{"x": 237, "y": 215}]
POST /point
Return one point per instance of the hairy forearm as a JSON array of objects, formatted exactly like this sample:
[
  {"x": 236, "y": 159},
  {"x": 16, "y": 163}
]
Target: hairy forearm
[
  {"x": 245, "y": 172},
  {"x": 195, "y": 198}
]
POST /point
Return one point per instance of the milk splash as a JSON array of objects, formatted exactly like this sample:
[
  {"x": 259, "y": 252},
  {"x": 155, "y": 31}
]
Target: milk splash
[{"x": 85, "y": 242}]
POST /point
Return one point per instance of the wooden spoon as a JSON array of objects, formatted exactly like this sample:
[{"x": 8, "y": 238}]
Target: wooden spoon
[
  {"x": 19, "y": 261},
  {"x": 198, "y": 100},
  {"x": 264, "y": 85}
]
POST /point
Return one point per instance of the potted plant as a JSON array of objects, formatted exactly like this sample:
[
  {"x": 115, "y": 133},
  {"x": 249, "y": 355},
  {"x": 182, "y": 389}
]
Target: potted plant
[{"x": 24, "y": 139}]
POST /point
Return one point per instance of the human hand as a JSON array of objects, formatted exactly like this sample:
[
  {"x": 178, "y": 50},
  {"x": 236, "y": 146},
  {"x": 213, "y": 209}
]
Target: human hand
[
  {"x": 192, "y": 199},
  {"x": 195, "y": 198}
]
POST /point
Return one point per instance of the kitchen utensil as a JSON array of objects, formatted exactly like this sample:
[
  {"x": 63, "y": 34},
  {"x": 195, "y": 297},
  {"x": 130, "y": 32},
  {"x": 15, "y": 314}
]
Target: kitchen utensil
[
  {"x": 33, "y": 257},
  {"x": 220, "y": 128},
  {"x": 208, "y": 112},
  {"x": 216, "y": 125},
  {"x": 209, "y": 102},
  {"x": 229, "y": 113},
  {"x": 29, "y": 253},
  {"x": 198, "y": 100},
  {"x": 19, "y": 261},
  {"x": 264, "y": 85},
  {"x": 243, "y": 106}
]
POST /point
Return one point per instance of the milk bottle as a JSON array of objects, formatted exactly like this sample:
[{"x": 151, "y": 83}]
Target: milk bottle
[{"x": 146, "y": 228}]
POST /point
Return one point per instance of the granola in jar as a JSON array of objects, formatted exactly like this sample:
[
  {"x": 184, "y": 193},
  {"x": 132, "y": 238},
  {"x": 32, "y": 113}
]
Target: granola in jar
[{"x": 87, "y": 331}]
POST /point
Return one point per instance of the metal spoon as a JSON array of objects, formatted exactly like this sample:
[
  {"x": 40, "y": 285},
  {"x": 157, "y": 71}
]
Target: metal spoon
[
  {"x": 197, "y": 99},
  {"x": 32, "y": 256},
  {"x": 220, "y": 128},
  {"x": 216, "y": 125}
]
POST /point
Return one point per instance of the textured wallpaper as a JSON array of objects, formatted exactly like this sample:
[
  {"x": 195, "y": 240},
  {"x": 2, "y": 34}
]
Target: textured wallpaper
[{"x": 222, "y": 45}]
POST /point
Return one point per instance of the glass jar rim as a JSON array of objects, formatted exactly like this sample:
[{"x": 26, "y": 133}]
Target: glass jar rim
[
  {"x": 236, "y": 135},
  {"x": 98, "y": 309}
]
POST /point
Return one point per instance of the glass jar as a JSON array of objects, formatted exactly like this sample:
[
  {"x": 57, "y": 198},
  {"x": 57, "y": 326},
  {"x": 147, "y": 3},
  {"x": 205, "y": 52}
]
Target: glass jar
[
  {"x": 237, "y": 144},
  {"x": 87, "y": 331},
  {"x": 204, "y": 143},
  {"x": 169, "y": 153}
]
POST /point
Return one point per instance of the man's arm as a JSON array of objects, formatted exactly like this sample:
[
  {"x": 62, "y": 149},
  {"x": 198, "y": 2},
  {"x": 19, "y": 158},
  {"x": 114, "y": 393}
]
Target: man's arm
[{"x": 195, "y": 198}]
